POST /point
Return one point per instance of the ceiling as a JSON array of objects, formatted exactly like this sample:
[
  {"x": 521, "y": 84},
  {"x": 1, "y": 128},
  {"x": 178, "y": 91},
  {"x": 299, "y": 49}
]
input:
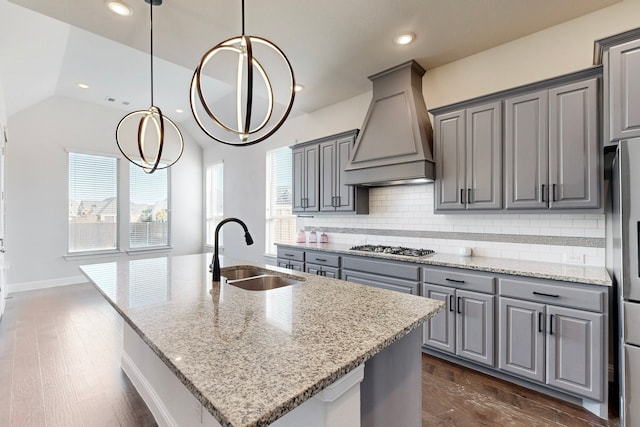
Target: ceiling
[{"x": 47, "y": 47}]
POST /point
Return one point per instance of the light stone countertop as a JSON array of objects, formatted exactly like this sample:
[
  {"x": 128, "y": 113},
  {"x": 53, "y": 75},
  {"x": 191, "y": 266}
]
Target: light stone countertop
[
  {"x": 251, "y": 357},
  {"x": 533, "y": 269}
]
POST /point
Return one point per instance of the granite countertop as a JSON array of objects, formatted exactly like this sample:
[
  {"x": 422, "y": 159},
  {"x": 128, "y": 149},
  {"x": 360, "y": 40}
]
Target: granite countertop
[
  {"x": 534, "y": 269},
  {"x": 251, "y": 357}
]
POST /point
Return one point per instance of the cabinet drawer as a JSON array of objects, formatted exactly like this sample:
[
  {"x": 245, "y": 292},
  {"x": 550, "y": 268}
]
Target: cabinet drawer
[
  {"x": 549, "y": 293},
  {"x": 390, "y": 283},
  {"x": 322, "y": 258},
  {"x": 289, "y": 253},
  {"x": 381, "y": 267},
  {"x": 456, "y": 279}
]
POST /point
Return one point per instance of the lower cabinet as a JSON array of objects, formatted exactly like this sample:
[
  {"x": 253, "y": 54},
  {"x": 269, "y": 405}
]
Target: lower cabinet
[
  {"x": 395, "y": 276},
  {"x": 291, "y": 265},
  {"x": 559, "y": 346},
  {"x": 322, "y": 264},
  {"x": 290, "y": 258},
  {"x": 322, "y": 270},
  {"x": 465, "y": 328}
]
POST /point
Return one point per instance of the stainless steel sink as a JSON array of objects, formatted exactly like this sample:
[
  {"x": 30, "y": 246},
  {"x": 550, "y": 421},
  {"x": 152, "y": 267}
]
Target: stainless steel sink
[
  {"x": 256, "y": 279},
  {"x": 241, "y": 272}
]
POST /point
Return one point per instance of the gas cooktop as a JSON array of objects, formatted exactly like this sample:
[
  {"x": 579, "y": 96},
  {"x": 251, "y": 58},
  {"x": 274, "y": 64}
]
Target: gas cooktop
[{"x": 393, "y": 250}]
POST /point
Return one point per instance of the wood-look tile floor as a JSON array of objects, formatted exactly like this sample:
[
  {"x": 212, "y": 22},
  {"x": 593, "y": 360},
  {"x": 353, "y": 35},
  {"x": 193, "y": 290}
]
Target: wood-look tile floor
[{"x": 60, "y": 366}]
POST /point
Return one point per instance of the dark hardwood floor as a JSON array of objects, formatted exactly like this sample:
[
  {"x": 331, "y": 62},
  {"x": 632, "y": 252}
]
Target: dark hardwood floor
[{"x": 60, "y": 366}]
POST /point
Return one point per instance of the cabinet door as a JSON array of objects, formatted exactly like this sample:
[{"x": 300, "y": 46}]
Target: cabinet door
[
  {"x": 328, "y": 176},
  {"x": 311, "y": 177},
  {"x": 474, "y": 327},
  {"x": 450, "y": 140},
  {"x": 624, "y": 87},
  {"x": 484, "y": 156},
  {"x": 440, "y": 331},
  {"x": 291, "y": 265},
  {"x": 526, "y": 156},
  {"x": 521, "y": 338},
  {"x": 345, "y": 194},
  {"x": 298, "y": 179},
  {"x": 574, "y": 351},
  {"x": 574, "y": 146}
]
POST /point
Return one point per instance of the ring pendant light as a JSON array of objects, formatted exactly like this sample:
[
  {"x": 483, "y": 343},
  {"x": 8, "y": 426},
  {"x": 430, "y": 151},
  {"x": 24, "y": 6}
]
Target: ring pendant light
[
  {"x": 145, "y": 148},
  {"x": 243, "y": 133}
]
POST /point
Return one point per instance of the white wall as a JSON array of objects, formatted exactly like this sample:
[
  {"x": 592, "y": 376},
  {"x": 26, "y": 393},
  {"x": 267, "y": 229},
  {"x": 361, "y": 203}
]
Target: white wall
[
  {"x": 37, "y": 188},
  {"x": 558, "y": 50}
]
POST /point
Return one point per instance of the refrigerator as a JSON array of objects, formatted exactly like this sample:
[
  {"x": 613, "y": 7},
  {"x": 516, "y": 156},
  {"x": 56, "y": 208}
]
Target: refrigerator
[{"x": 625, "y": 231}]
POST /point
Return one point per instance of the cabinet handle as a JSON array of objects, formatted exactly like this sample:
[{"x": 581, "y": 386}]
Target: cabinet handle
[
  {"x": 462, "y": 196},
  {"x": 333, "y": 201},
  {"x": 338, "y": 201},
  {"x": 321, "y": 259},
  {"x": 551, "y": 324},
  {"x": 459, "y": 307},
  {"x": 454, "y": 280},
  {"x": 451, "y": 303},
  {"x": 540, "y": 322},
  {"x": 553, "y": 192},
  {"x": 469, "y": 196},
  {"x": 542, "y": 193},
  {"x": 288, "y": 254},
  {"x": 542, "y": 294}
]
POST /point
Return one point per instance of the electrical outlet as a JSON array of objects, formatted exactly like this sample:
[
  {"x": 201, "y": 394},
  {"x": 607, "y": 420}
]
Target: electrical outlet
[{"x": 573, "y": 259}]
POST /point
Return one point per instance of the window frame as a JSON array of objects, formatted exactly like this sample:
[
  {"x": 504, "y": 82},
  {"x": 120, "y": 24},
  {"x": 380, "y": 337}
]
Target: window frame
[{"x": 207, "y": 192}]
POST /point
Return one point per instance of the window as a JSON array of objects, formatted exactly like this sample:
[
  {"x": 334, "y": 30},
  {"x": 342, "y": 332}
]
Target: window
[
  {"x": 214, "y": 189},
  {"x": 93, "y": 203},
  {"x": 280, "y": 223},
  {"x": 148, "y": 208}
]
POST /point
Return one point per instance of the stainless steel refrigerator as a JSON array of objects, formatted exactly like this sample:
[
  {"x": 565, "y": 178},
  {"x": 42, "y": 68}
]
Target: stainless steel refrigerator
[{"x": 625, "y": 232}]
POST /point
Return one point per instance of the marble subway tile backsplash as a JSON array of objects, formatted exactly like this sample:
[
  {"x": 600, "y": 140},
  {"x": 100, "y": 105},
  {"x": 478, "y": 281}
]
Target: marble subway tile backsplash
[{"x": 403, "y": 215}]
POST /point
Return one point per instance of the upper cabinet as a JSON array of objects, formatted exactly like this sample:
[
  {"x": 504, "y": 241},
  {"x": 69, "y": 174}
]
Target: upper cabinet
[
  {"x": 524, "y": 149},
  {"x": 469, "y": 158},
  {"x": 318, "y": 176},
  {"x": 552, "y": 148},
  {"x": 620, "y": 56}
]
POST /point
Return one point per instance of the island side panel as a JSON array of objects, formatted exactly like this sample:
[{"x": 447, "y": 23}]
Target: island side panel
[{"x": 391, "y": 392}]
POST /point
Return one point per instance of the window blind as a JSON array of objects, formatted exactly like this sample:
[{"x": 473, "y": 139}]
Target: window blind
[
  {"x": 93, "y": 203},
  {"x": 214, "y": 200},
  {"x": 280, "y": 222}
]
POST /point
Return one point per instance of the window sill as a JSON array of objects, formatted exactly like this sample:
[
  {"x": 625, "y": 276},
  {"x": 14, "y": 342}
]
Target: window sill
[
  {"x": 95, "y": 254},
  {"x": 155, "y": 249}
]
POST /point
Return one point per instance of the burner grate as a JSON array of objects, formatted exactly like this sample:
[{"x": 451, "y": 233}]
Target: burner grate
[{"x": 393, "y": 250}]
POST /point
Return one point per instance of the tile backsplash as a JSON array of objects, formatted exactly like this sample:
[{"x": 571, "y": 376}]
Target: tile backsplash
[{"x": 403, "y": 215}]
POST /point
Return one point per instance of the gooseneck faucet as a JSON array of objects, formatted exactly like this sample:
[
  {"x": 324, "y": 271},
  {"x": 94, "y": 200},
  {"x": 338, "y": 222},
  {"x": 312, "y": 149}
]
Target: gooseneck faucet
[{"x": 216, "y": 260}]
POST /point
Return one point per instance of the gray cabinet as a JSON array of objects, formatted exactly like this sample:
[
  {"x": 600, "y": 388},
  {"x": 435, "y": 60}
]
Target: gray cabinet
[
  {"x": 468, "y": 146},
  {"x": 466, "y": 326},
  {"x": 552, "y": 337},
  {"x": 624, "y": 90},
  {"x": 318, "y": 176},
  {"x": 322, "y": 264},
  {"x": 335, "y": 196},
  {"x": 395, "y": 276},
  {"x": 306, "y": 177},
  {"x": 552, "y": 148},
  {"x": 290, "y": 258}
]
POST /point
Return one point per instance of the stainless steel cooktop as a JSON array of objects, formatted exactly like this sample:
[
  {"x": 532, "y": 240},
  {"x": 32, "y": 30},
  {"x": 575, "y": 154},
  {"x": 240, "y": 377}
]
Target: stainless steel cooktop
[{"x": 393, "y": 250}]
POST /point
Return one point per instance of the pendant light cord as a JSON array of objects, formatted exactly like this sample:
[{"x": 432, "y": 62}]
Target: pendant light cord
[
  {"x": 151, "y": 46},
  {"x": 243, "y": 17}
]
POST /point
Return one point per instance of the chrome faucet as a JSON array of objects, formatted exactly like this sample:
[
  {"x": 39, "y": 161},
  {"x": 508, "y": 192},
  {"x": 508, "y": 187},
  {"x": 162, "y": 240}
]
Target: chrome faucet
[{"x": 216, "y": 260}]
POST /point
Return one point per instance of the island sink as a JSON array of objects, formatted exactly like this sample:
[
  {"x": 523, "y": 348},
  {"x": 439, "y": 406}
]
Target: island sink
[{"x": 257, "y": 279}]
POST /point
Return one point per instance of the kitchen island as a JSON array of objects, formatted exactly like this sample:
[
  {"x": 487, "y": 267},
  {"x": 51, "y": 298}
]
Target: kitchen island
[{"x": 253, "y": 358}]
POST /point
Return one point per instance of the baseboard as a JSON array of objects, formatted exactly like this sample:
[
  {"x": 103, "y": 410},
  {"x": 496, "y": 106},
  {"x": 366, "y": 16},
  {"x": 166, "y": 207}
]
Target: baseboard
[
  {"x": 148, "y": 394},
  {"x": 44, "y": 284}
]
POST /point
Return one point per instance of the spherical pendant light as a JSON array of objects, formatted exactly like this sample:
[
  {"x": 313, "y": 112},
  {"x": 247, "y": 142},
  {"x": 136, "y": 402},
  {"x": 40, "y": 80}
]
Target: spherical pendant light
[
  {"x": 147, "y": 138},
  {"x": 263, "y": 98}
]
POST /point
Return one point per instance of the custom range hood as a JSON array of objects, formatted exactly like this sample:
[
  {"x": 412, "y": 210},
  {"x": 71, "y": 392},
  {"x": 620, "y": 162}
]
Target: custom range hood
[{"x": 395, "y": 143}]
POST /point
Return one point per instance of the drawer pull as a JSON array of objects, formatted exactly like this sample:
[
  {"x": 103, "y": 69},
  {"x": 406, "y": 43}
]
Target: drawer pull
[
  {"x": 454, "y": 280},
  {"x": 321, "y": 259},
  {"x": 540, "y": 322},
  {"x": 542, "y": 294},
  {"x": 288, "y": 254},
  {"x": 451, "y": 303}
]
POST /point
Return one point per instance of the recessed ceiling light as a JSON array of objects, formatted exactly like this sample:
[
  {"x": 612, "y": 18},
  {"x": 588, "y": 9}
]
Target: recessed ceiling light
[
  {"x": 119, "y": 7},
  {"x": 298, "y": 88},
  {"x": 404, "y": 38},
  {"x": 178, "y": 110},
  {"x": 83, "y": 86}
]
